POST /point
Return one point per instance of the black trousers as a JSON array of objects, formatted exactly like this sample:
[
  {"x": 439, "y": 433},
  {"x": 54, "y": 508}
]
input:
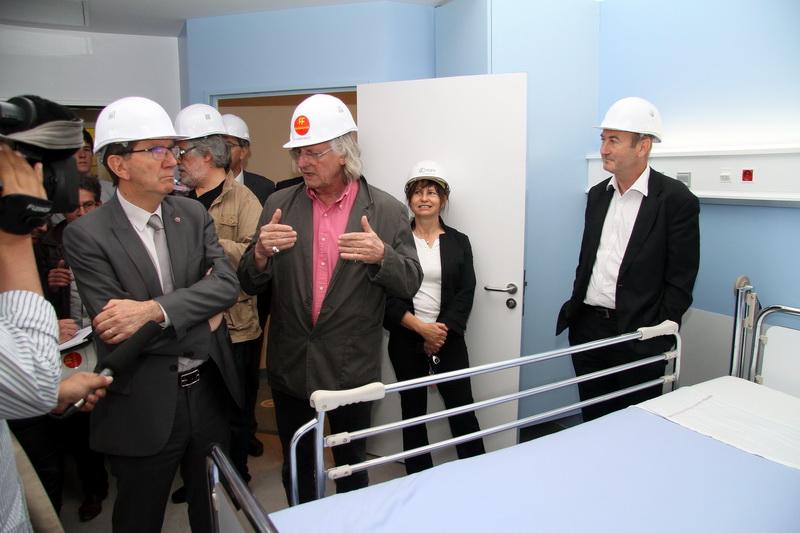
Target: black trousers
[
  {"x": 245, "y": 354},
  {"x": 591, "y": 327},
  {"x": 290, "y": 414},
  {"x": 409, "y": 362},
  {"x": 144, "y": 483}
]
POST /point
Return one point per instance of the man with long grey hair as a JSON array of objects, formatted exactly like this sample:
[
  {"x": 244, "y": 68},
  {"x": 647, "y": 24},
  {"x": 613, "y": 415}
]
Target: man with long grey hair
[{"x": 330, "y": 248}]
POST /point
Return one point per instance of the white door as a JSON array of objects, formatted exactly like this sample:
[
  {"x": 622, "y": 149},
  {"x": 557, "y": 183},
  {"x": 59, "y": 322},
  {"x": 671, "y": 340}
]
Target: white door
[{"x": 475, "y": 126}]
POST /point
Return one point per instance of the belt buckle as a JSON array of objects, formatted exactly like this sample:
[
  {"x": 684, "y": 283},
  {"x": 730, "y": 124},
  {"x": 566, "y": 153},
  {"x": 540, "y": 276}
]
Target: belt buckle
[
  {"x": 603, "y": 312},
  {"x": 189, "y": 378}
]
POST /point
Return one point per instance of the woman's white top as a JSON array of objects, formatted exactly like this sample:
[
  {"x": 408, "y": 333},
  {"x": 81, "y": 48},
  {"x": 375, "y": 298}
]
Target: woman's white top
[{"x": 428, "y": 300}]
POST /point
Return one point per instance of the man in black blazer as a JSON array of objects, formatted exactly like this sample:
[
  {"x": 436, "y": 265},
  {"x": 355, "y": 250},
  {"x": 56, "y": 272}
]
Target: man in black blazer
[
  {"x": 238, "y": 139},
  {"x": 638, "y": 260},
  {"x": 162, "y": 412}
]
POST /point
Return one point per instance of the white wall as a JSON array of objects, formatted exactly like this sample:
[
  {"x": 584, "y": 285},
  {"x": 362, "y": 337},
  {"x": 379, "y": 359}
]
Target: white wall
[{"x": 88, "y": 69}]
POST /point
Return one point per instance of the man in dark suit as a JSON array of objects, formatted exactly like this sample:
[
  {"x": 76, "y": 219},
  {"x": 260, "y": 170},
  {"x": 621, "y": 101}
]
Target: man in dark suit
[
  {"x": 148, "y": 256},
  {"x": 238, "y": 139},
  {"x": 638, "y": 260}
]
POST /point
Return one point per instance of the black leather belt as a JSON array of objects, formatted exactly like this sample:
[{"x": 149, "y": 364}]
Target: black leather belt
[
  {"x": 602, "y": 312},
  {"x": 190, "y": 377}
]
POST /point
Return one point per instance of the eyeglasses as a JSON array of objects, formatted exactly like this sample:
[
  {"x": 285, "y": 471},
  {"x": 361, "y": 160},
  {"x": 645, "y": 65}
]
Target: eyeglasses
[
  {"x": 179, "y": 153},
  {"x": 87, "y": 206},
  {"x": 311, "y": 157},
  {"x": 235, "y": 144},
  {"x": 159, "y": 153}
]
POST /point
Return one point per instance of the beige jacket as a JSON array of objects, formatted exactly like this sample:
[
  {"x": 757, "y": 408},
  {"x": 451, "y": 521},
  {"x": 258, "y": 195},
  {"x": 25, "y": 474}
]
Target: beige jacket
[{"x": 235, "y": 213}]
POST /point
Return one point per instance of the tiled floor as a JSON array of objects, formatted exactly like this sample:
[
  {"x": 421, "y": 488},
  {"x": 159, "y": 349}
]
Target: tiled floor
[
  {"x": 265, "y": 484},
  {"x": 265, "y": 471}
]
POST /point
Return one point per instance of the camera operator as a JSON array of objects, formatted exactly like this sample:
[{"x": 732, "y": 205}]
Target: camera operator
[{"x": 30, "y": 363}]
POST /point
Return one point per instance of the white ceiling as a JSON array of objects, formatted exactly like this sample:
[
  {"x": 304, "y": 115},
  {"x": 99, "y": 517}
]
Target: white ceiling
[{"x": 145, "y": 17}]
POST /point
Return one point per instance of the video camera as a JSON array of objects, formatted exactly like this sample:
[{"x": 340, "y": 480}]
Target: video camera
[{"x": 48, "y": 133}]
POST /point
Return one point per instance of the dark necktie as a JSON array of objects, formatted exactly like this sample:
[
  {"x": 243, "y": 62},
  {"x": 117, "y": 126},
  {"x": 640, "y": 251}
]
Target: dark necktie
[{"x": 160, "y": 240}]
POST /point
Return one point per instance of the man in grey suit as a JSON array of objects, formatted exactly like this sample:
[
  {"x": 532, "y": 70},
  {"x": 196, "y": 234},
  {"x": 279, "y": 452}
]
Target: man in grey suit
[
  {"x": 638, "y": 260},
  {"x": 148, "y": 256}
]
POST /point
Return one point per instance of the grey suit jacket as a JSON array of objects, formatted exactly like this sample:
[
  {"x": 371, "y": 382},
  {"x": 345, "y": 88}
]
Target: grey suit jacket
[
  {"x": 342, "y": 350},
  {"x": 109, "y": 261}
]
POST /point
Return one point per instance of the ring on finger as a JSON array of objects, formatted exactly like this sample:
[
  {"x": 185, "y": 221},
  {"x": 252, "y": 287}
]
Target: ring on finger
[{"x": 275, "y": 249}]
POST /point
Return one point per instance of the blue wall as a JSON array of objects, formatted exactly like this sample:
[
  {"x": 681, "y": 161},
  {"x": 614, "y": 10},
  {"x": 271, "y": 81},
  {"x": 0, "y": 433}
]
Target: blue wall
[
  {"x": 722, "y": 72},
  {"x": 309, "y": 48},
  {"x": 556, "y": 43}
]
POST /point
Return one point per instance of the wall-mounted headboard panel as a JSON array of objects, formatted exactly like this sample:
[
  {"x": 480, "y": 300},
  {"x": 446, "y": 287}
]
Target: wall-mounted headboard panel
[{"x": 718, "y": 175}]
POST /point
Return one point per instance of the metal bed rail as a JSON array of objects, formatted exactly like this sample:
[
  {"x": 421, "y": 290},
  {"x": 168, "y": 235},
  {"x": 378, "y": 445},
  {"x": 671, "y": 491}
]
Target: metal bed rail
[
  {"x": 747, "y": 352},
  {"x": 759, "y": 340},
  {"x": 229, "y": 494},
  {"x": 743, "y": 319},
  {"x": 324, "y": 401}
]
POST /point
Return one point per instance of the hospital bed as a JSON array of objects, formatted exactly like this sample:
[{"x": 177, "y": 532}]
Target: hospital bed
[{"x": 719, "y": 456}]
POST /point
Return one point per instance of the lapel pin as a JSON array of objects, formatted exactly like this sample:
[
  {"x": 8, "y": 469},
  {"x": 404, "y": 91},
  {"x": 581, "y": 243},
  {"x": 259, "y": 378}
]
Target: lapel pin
[{"x": 177, "y": 219}]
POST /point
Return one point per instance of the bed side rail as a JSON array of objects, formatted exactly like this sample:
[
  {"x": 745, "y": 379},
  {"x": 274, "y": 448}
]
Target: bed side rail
[
  {"x": 743, "y": 319},
  {"x": 759, "y": 339},
  {"x": 324, "y": 401},
  {"x": 234, "y": 508}
]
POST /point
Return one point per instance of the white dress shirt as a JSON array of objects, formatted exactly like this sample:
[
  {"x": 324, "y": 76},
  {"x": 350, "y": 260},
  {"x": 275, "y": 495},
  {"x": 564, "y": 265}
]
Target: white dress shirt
[{"x": 617, "y": 229}]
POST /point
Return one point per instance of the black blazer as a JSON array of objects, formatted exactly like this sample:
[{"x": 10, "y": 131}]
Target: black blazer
[
  {"x": 658, "y": 271},
  {"x": 261, "y": 186},
  {"x": 458, "y": 286}
]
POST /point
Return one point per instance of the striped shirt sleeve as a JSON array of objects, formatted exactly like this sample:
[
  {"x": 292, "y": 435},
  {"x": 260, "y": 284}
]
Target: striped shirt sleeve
[{"x": 30, "y": 363}]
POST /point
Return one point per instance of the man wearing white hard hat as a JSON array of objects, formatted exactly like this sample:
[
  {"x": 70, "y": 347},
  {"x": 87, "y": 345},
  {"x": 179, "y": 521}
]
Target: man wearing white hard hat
[
  {"x": 330, "y": 248},
  {"x": 238, "y": 138},
  {"x": 147, "y": 256},
  {"x": 638, "y": 259},
  {"x": 235, "y": 210}
]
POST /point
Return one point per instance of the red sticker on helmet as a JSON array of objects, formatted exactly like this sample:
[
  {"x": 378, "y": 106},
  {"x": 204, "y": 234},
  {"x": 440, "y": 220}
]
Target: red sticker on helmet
[
  {"x": 301, "y": 125},
  {"x": 73, "y": 360}
]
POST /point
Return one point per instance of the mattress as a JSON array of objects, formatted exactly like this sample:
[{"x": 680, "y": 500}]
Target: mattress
[{"x": 633, "y": 470}]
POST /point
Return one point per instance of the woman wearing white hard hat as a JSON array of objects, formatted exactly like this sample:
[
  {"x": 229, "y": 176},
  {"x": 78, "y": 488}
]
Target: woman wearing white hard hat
[{"x": 426, "y": 333}]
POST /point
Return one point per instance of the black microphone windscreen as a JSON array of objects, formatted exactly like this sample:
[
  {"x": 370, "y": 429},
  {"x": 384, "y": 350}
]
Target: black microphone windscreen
[{"x": 118, "y": 360}]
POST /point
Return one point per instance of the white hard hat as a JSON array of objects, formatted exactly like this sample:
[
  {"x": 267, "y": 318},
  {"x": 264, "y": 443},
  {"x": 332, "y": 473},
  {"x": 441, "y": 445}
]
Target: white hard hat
[
  {"x": 199, "y": 120},
  {"x": 633, "y": 114},
  {"x": 317, "y": 119},
  {"x": 236, "y": 127},
  {"x": 131, "y": 119},
  {"x": 428, "y": 170}
]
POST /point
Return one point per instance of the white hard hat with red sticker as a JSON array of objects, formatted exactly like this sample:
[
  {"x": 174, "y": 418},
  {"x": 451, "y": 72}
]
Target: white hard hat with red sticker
[{"x": 319, "y": 118}]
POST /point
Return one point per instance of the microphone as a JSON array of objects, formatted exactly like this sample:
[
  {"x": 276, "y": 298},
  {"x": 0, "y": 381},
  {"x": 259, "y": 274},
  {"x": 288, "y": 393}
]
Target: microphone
[{"x": 118, "y": 361}]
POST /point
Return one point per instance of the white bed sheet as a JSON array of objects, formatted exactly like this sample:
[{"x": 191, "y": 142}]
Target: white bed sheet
[
  {"x": 629, "y": 471},
  {"x": 751, "y": 417}
]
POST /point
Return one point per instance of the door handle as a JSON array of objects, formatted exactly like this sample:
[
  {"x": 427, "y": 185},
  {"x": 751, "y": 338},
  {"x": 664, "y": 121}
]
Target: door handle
[{"x": 510, "y": 289}]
